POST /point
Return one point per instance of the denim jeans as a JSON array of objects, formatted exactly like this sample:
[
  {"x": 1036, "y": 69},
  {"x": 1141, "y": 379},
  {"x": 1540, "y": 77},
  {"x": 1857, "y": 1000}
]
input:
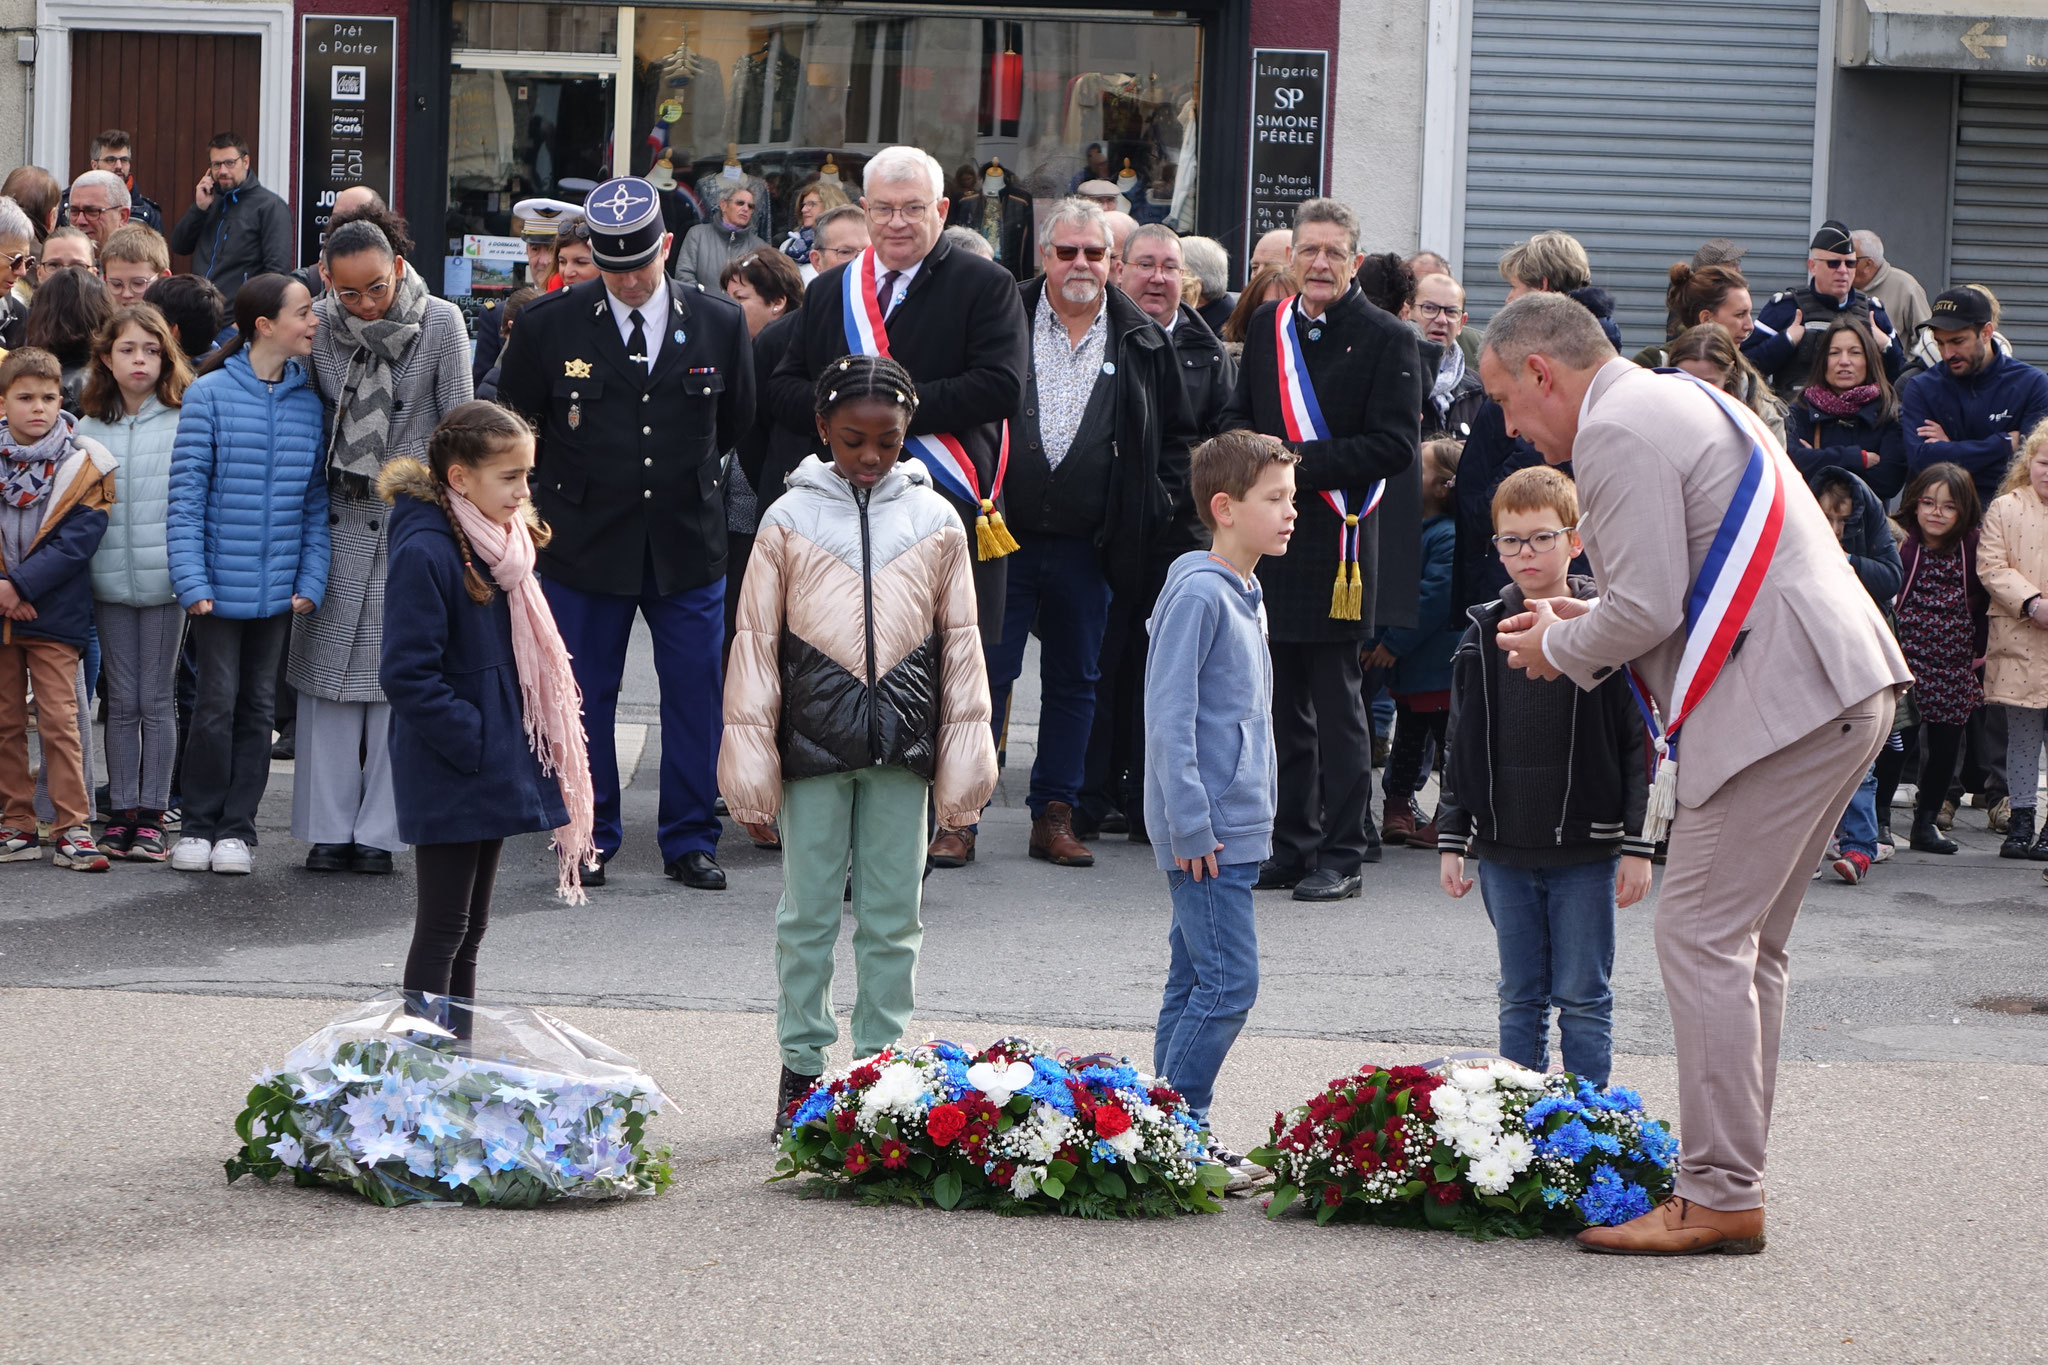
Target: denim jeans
[
  {"x": 1858, "y": 829},
  {"x": 1056, "y": 582},
  {"x": 1555, "y": 928},
  {"x": 1212, "y": 979}
]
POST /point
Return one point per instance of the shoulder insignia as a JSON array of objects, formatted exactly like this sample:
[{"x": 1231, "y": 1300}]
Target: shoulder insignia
[{"x": 493, "y": 303}]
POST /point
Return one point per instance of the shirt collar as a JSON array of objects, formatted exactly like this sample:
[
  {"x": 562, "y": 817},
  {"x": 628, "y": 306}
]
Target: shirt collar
[{"x": 1047, "y": 318}]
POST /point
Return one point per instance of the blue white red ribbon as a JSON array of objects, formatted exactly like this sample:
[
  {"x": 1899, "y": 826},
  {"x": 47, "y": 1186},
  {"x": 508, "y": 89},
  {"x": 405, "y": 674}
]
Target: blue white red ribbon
[{"x": 1302, "y": 415}]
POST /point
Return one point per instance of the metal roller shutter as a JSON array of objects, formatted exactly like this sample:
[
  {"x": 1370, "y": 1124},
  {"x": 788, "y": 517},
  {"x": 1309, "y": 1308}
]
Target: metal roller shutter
[
  {"x": 1999, "y": 213},
  {"x": 1642, "y": 130}
]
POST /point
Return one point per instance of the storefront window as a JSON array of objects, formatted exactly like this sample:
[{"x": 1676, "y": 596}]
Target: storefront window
[{"x": 510, "y": 26}]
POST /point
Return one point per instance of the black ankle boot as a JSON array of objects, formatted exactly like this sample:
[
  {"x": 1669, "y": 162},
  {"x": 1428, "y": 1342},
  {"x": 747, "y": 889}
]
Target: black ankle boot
[
  {"x": 793, "y": 1088},
  {"x": 2019, "y": 835},
  {"x": 1927, "y": 835}
]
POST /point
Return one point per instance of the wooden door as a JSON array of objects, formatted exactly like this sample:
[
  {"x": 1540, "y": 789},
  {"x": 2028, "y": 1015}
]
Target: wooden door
[{"x": 170, "y": 92}]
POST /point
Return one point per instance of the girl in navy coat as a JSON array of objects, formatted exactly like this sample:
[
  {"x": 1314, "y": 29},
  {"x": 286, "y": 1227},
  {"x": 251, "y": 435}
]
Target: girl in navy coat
[{"x": 486, "y": 729}]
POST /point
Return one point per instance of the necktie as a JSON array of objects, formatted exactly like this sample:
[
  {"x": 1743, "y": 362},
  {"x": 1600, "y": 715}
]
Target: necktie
[
  {"x": 636, "y": 342},
  {"x": 885, "y": 292}
]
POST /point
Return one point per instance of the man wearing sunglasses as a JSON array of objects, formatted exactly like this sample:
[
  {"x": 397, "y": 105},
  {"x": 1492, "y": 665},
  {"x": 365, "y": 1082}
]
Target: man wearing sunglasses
[
  {"x": 1794, "y": 324},
  {"x": 235, "y": 228}
]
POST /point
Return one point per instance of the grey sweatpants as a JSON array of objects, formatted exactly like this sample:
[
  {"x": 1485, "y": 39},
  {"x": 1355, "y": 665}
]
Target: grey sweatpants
[
  {"x": 341, "y": 782},
  {"x": 139, "y": 653}
]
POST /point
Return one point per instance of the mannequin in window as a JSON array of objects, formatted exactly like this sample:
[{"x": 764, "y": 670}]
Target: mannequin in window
[{"x": 1002, "y": 215}]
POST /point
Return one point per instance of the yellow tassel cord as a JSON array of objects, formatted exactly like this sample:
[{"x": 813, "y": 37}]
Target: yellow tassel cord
[
  {"x": 1354, "y": 597},
  {"x": 992, "y": 539},
  {"x": 1340, "y": 597},
  {"x": 1347, "y": 595}
]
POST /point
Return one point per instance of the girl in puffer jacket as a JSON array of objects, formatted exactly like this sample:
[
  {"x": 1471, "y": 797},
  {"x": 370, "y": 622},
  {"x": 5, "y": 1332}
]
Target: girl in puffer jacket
[{"x": 855, "y": 687}]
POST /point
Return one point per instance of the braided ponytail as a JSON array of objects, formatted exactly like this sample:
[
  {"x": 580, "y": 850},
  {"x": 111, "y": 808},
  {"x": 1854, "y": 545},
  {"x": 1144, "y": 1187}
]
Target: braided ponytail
[{"x": 471, "y": 435}]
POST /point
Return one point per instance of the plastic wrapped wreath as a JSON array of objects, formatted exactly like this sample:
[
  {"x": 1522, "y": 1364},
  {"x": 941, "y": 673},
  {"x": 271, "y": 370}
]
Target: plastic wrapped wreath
[
  {"x": 1489, "y": 1150},
  {"x": 409, "y": 1099},
  {"x": 1014, "y": 1128}
]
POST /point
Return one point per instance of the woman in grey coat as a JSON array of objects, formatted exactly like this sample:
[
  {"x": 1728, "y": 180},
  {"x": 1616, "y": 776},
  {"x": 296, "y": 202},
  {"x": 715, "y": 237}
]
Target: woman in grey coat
[
  {"x": 389, "y": 360},
  {"x": 708, "y": 246}
]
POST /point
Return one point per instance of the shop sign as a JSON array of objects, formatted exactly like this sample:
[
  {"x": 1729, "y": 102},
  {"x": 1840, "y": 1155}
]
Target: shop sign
[
  {"x": 346, "y": 116},
  {"x": 1290, "y": 116}
]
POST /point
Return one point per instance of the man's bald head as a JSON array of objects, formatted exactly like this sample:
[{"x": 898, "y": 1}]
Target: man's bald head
[
  {"x": 1275, "y": 248},
  {"x": 1121, "y": 226}
]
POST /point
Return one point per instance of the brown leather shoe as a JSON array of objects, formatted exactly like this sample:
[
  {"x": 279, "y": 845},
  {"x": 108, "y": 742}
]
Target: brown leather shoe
[
  {"x": 1679, "y": 1227},
  {"x": 1399, "y": 828},
  {"x": 953, "y": 848},
  {"x": 1052, "y": 838}
]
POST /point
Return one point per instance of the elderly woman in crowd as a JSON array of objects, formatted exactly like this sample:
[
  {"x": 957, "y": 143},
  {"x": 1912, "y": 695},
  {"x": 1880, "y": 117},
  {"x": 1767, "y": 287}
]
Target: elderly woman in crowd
[{"x": 708, "y": 247}]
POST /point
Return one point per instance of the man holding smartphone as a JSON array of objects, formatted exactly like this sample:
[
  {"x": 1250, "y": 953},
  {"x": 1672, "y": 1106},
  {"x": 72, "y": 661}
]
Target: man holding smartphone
[{"x": 235, "y": 228}]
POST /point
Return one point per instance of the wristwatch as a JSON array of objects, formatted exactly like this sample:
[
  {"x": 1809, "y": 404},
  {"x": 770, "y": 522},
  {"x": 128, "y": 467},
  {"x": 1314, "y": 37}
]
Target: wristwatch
[{"x": 2027, "y": 607}]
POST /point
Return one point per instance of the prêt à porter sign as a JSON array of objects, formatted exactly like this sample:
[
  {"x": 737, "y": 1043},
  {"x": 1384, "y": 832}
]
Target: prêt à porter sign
[
  {"x": 1290, "y": 129},
  {"x": 347, "y": 65}
]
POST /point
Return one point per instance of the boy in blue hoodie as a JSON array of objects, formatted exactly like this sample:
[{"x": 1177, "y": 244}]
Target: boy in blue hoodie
[{"x": 1211, "y": 777}]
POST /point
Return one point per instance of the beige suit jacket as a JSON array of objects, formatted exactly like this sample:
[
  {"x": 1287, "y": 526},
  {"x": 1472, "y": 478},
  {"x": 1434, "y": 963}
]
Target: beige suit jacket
[{"x": 1657, "y": 463}]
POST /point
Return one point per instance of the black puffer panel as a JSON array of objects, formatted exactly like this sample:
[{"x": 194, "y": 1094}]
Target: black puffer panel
[{"x": 832, "y": 723}]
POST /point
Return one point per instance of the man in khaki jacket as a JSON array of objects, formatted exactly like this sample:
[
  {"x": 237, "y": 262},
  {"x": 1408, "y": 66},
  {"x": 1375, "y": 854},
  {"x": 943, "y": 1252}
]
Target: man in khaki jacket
[{"x": 1772, "y": 753}]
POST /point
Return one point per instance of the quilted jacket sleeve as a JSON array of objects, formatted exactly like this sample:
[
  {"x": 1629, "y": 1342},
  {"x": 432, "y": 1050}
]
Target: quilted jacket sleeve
[
  {"x": 749, "y": 764},
  {"x": 966, "y": 775},
  {"x": 192, "y": 457}
]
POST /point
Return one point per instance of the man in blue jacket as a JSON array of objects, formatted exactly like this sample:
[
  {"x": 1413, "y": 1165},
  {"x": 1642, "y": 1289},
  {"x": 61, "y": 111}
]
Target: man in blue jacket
[{"x": 1979, "y": 405}]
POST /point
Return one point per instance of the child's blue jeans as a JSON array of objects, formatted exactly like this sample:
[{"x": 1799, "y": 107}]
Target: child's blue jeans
[
  {"x": 1555, "y": 928},
  {"x": 1212, "y": 979},
  {"x": 1858, "y": 829}
]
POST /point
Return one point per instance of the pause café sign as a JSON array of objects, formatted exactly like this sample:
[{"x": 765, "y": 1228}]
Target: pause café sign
[{"x": 1290, "y": 108}]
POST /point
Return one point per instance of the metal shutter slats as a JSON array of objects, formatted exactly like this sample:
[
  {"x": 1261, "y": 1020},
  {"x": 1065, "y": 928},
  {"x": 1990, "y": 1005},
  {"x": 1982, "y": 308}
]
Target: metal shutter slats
[{"x": 2000, "y": 213}]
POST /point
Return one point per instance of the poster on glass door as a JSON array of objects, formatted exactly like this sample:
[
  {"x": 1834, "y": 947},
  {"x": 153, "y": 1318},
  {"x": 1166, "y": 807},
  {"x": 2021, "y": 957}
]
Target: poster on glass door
[{"x": 347, "y": 121}]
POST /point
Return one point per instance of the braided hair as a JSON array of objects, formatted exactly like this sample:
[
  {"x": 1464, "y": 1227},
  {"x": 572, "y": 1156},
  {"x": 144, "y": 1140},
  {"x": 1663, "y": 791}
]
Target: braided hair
[
  {"x": 472, "y": 434},
  {"x": 854, "y": 377}
]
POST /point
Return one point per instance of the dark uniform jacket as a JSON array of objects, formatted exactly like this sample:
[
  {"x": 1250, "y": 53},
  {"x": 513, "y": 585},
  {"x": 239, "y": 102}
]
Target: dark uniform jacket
[
  {"x": 628, "y": 466},
  {"x": 1787, "y": 365},
  {"x": 1150, "y": 434},
  {"x": 1368, "y": 383},
  {"x": 959, "y": 331},
  {"x": 771, "y": 450},
  {"x": 1206, "y": 371}
]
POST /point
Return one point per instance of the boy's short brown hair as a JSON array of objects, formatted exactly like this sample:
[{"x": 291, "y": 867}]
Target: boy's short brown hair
[
  {"x": 1232, "y": 463},
  {"x": 29, "y": 362},
  {"x": 137, "y": 244},
  {"x": 1533, "y": 490}
]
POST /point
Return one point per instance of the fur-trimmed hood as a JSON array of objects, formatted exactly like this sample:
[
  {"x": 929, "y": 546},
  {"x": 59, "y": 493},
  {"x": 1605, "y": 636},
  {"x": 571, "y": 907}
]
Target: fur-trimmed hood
[{"x": 412, "y": 478}]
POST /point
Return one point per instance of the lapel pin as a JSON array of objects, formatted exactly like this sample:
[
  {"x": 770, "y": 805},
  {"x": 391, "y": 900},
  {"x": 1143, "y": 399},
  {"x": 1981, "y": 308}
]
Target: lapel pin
[
  {"x": 1109, "y": 367},
  {"x": 681, "y": 336}
]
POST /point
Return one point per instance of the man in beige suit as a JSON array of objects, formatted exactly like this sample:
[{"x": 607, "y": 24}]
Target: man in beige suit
[{"x": 1771, "y": 754}]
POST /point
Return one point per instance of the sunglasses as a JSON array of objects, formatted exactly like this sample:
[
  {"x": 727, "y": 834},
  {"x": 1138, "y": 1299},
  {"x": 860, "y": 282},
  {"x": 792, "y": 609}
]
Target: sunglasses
[
  {"x": 1093, "y": 253},
  {"x": 1836, "y": 263},
  {"x": 21, "y": 261}
]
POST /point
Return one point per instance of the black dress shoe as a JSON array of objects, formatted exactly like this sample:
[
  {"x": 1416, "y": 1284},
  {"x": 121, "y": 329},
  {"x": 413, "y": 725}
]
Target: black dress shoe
[
  {"x": 329, "y": 857},
  {"x": 593, "y": 873},
  {"x": 793, "y": 1087},
  {"x": 1927, "y": 836},
  {"x": 374, "y": 861},
  {"x": 698, "y": 871},
  {"x": 1273, "y": 876},
  {"x": 1325, "y": 885},
  {"x": 1115, "y": 822}
]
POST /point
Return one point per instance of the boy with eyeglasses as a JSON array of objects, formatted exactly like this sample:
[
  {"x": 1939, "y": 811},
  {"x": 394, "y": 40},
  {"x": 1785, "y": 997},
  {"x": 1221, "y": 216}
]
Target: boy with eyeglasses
[{"x": 1547, "y": 785}]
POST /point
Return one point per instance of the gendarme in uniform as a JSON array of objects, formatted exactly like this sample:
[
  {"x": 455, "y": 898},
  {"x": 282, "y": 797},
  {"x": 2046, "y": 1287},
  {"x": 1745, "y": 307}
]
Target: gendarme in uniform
[{"x": 636, "y": 387}]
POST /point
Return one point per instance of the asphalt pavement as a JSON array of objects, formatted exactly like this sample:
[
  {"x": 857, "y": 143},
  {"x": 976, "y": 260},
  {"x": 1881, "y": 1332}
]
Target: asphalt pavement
[{"x": 1906, "y": 1178}]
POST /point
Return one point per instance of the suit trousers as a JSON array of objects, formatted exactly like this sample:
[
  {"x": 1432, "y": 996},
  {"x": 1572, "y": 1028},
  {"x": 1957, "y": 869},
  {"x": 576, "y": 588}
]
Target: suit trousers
[
  {"x": 1739, "y": 866},
  {"x": 341, "y": 775},
  {"x": 687, "y": 627},
  {"x": 1114, "y": 777},
  {"x": 1057, "y": 582},
  {"x": 1324, "y": 745}
]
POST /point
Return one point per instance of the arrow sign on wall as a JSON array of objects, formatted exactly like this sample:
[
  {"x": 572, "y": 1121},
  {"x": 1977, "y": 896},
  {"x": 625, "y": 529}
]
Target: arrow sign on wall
[{"x": 1978, "y": 40}]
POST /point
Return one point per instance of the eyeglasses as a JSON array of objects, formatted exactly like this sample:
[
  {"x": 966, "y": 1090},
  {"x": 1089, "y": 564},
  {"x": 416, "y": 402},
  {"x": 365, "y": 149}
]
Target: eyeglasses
[
  {"x": 89, "y": 210},
  {"x": 888, "y": 213},
  {"x": 1935, "y": 505},
  {"x": 1149, "y": 266},
  {"x": 224, "y": 165},
  {"x": 844, "y": 253},
  {"x": 1322, "y": 253},
  {"x": 1542, "y": 542},
  {"x": 376, "y": 293},
  {"x": 1835, "y": 263},
  {"x": 113, "y": 159},
  {"x": 1439, "y": 310},
  {"x": 1068, "y": 253}
]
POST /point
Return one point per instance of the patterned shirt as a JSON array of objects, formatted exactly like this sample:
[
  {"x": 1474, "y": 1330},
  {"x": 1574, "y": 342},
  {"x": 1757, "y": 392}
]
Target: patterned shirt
[{"x": 1065, "y": 373}]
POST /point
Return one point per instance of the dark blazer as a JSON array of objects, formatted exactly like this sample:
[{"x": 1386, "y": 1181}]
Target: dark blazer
[
  {"x": 961, "y": 333},
  {"x": 629, "y": 466},
  {"x": 1368, "y": 382},
  {"x": 1149, "y": 506},
  {"x": 1206, "y": 371},
  {"x": 771, "y": 449},
  {"x": 1019, "y": 230},
  {"x": 461, "y": 766}
]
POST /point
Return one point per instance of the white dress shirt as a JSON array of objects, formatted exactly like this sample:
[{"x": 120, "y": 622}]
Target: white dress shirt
[{"x": 653, "y": 318}]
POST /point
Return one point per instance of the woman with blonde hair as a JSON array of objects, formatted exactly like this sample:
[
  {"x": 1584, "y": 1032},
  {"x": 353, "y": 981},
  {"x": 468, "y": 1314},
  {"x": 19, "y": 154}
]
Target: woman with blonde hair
[{"x": 2012, "y": 564}]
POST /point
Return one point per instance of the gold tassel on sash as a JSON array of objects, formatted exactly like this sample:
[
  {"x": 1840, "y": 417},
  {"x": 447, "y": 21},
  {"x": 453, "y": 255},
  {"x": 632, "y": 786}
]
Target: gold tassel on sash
[
  {"x": 1347, "y": 595},
  {"x": 992, "y": 539}
]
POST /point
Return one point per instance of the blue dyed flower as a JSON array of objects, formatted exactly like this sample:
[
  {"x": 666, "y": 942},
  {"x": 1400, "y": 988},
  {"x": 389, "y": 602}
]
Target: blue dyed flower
[
  {"x": 1553, "y": 1196},
  {"x": 1658, "y": 1144},
  {"x": 1538, "y": 1112},
  {"x": 1611, "y": 1199},
  {"x": 951, "y": 1052},
  {"x": 816, "y": 1105},
  {"x": 1571, "y": 1142},
  {"x": 1608, "y": 1143}
]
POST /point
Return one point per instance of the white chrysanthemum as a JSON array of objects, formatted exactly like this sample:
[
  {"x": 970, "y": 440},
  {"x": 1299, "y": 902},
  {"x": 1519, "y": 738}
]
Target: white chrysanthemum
[
  {"x": 1476, "y": 1079},
  {"x": 1473, "y": 1140},
  {"x": 1126, "y": 1143},
  {"x": 1484, "y": 1109},
  {"x": 1492, "y": 1174},
  {"x": 1448, "y": 1102},
  {"x": 1514, "y": 1075},
  {"x": 896, "y": 1091},
  {"x": 1024, "y": 1183},
  {"x": 1517, "y": 1150}
]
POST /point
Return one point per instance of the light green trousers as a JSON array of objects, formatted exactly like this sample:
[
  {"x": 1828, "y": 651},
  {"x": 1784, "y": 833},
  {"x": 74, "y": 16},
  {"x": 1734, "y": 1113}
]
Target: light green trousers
[{"x": 876, "y": 819}]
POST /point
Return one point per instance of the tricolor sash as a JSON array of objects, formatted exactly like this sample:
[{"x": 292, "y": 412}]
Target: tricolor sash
[
  {"x": 942, "y": 454},
  {"x": 1303, "y": 417},
  {"x": 1718, "y": 605}
]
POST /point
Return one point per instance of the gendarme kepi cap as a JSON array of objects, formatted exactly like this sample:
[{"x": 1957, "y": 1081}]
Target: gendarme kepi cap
[
  {"x": 1961, "y": 309},
  {"x": 625, "y": 223},
  {"x": 1833, "y": 236}
]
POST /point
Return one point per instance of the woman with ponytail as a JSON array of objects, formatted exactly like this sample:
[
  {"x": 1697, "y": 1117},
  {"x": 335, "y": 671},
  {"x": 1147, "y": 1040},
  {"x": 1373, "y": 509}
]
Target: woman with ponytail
[{"x": 484, "y": 710}]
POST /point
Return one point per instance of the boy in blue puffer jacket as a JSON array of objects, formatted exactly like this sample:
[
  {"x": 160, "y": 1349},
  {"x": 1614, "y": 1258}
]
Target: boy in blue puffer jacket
[
  {"x": 248, "y": 549},
  {"x": 55, "y": 490}
]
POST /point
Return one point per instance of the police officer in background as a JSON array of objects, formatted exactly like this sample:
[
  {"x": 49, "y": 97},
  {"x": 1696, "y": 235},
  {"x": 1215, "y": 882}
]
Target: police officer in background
[
  {"x": 636, "y": 387},
  {"x": 1794, "y": 324}
]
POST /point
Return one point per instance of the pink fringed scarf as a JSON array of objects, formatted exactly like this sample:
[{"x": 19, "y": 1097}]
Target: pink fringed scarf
[{"x": 548, "y": 694}]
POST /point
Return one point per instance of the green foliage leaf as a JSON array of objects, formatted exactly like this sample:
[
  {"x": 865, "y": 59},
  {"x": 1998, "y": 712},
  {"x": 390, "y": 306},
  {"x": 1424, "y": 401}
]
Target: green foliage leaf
[
  {"x": 1063, "y": 1170},
  {"x": 946, "y": 1189},
  {"x": 1053, "y": 1185},
  {"x": 1283, "y": 1197}
]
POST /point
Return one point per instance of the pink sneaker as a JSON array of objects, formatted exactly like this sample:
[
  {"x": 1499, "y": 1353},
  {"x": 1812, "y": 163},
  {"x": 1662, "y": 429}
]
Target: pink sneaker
[{"x": 1852, "y": 867}]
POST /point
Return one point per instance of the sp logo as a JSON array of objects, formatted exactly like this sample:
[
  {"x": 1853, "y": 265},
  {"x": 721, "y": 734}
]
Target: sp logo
[{"x": 1288, "y": 98}]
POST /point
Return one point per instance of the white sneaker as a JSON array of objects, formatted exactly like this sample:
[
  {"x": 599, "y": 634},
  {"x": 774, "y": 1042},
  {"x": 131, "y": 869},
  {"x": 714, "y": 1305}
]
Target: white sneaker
[
  {"x": 192, "y": 855},
  {"x": 232, "y": 857}
]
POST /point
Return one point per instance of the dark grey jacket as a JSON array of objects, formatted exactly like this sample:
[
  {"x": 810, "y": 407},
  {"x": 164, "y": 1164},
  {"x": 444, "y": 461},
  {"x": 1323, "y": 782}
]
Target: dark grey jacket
[{"x": 246, "y": 232}]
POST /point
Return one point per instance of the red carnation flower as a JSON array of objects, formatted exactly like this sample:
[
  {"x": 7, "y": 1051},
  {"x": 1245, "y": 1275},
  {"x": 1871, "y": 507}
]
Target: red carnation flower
[
  {"x": 1447, "y": 1193},
  {"x": 945, "y": 1123},
  {"x": 1165, "y": 1096},
  {"x": 1110, "y": 1119},
  {"x": 843, "y": 1120},
  {"x": 1367, "y": 1094},
  {"x": 1332, "y": 1196},
  {"x": 857, "y": 1160},
  {"x": 893, "y": 1153}
]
